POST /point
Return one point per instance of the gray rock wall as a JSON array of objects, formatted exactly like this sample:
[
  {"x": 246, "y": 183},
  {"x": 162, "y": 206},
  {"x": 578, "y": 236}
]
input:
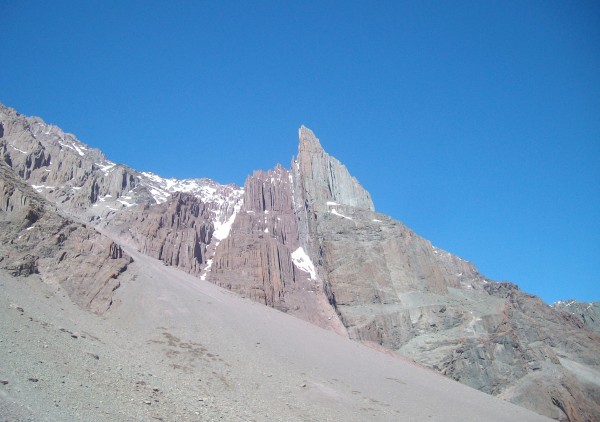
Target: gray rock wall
[
  {"x": 391, "y": 287},
  {"x": 36, "y": 238},
  {"x": 587, "y": 312}
]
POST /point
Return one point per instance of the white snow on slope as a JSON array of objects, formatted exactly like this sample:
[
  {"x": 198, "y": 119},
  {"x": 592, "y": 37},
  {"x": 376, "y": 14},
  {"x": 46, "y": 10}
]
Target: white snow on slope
[
  {"x": 207, "y": 269},
  {"x": 205, "y": 189},
  {"x": 39, "y": 188},
  {"x": 106, "y": 166},
  {"x": 77, "y": 148},
  {"x": 222, "y": 228},
  {"x": 302, "y": 261},
  {"x": 334, "y": 212},
  {"x": 17, "y": 149},
  {"x": 127, "y": 204}
]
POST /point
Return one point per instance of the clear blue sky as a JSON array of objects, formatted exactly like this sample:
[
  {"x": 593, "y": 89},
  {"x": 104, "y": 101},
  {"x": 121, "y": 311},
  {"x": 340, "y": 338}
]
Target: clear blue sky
[{"x": 477, "y": 123}]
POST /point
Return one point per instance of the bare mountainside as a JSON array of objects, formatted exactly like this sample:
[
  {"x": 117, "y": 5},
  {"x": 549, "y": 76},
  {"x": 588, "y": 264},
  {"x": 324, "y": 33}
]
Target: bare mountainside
[
  {"x": 307, "y": 241},
  {"x": 176, "y": 348}
]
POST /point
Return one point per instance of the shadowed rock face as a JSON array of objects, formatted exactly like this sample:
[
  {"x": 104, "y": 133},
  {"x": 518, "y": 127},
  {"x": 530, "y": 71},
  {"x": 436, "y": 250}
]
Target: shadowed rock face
[
  {"x": 57, "y": 165},
  {"x": 36, "y": 238},
  {"x": 308, "y": 242}
]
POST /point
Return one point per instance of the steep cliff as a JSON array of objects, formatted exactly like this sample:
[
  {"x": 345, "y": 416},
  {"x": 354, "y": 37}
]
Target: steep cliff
[
  {"x": 263, "y": 258},
  {"x": 36, "y": 238},
  {"x": 391, "y": 287}
]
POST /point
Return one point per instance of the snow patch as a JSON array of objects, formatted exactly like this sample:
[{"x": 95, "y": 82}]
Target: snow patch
[
  {"x": 302, "y": 261},
  {"x": 39, "y": 188},
  {"x": 106, "y": 167},
  {"x": 17, "y": 149},
  {"x": 73, "y": 146},
  {"x": 207, "y": 269},
  {"x": 127, "y": 204},
  {"x": 334, "y": 212},
  {"x": 222, "y": 229},
  {"x": 78, "y": 149}
]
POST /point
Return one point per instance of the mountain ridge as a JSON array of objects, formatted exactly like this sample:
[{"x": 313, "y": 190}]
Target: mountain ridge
[{"x": 307, "y": 241}]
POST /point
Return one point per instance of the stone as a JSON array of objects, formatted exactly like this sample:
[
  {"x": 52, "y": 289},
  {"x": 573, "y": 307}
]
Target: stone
[
  {"x": 587, "y": 312},
  {"x": 86, "y": 263}
]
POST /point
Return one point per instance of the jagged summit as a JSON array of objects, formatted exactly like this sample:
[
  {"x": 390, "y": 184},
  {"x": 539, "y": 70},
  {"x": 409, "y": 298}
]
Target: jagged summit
[
  {"x": 307, "y": 140},
  {"x": 324, "y": 179}
]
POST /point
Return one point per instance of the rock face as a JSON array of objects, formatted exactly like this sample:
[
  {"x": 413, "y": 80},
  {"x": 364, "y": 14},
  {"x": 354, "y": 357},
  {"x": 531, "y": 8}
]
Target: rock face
[
  {"x": 182, "y": 232},
  {"x": 263, "y": 259},
  {"x": 306, "y": 241},
  {"x": 588, "y": 312},
  {"x": 35, "y": 238},
  {"x": 392, "y": 287},
  {"x": 324, "y": 178},
  {"x": 82, "y": 181}
]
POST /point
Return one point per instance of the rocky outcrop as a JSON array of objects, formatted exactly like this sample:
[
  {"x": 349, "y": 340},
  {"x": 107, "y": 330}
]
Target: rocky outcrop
[
  {"x": 80, "y": 179},
  {"x": 391, "y": 287},
  {"x": 262, "y": 257},
  {"x": 35, "y": 238},
  {"x": 178, "y": 232},
  {"x": 325, "y": 178},
  {"x": 56, "y": 164},
  {"x": 587, "y": 312},
  {"x": 255, "y": 259}
]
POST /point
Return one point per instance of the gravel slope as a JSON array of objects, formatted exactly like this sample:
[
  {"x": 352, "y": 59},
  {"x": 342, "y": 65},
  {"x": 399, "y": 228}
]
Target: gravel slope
[{"x": 175, "y": 348}]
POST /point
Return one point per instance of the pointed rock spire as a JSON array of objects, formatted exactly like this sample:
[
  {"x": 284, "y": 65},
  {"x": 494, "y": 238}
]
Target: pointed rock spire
[
  {"x": 325, "y": 179},
  {"x": 308, "y": 140}
]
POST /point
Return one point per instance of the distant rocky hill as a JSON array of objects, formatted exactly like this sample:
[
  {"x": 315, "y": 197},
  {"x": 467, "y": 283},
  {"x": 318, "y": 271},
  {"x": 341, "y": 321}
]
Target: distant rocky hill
[
  {"x": 588, "y": 312},
  {"x": 308, "y": 241}
]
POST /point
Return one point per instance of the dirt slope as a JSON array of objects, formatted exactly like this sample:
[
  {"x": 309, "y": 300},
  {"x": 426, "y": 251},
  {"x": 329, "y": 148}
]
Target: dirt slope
[{"x": 176, "y": 348}]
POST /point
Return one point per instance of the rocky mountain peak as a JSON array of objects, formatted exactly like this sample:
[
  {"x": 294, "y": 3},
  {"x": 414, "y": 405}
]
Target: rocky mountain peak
[
  {"x": 324, "y": 179},
  {"x": 308, "y": 140},
  {"x": 306, "y": 241}
]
